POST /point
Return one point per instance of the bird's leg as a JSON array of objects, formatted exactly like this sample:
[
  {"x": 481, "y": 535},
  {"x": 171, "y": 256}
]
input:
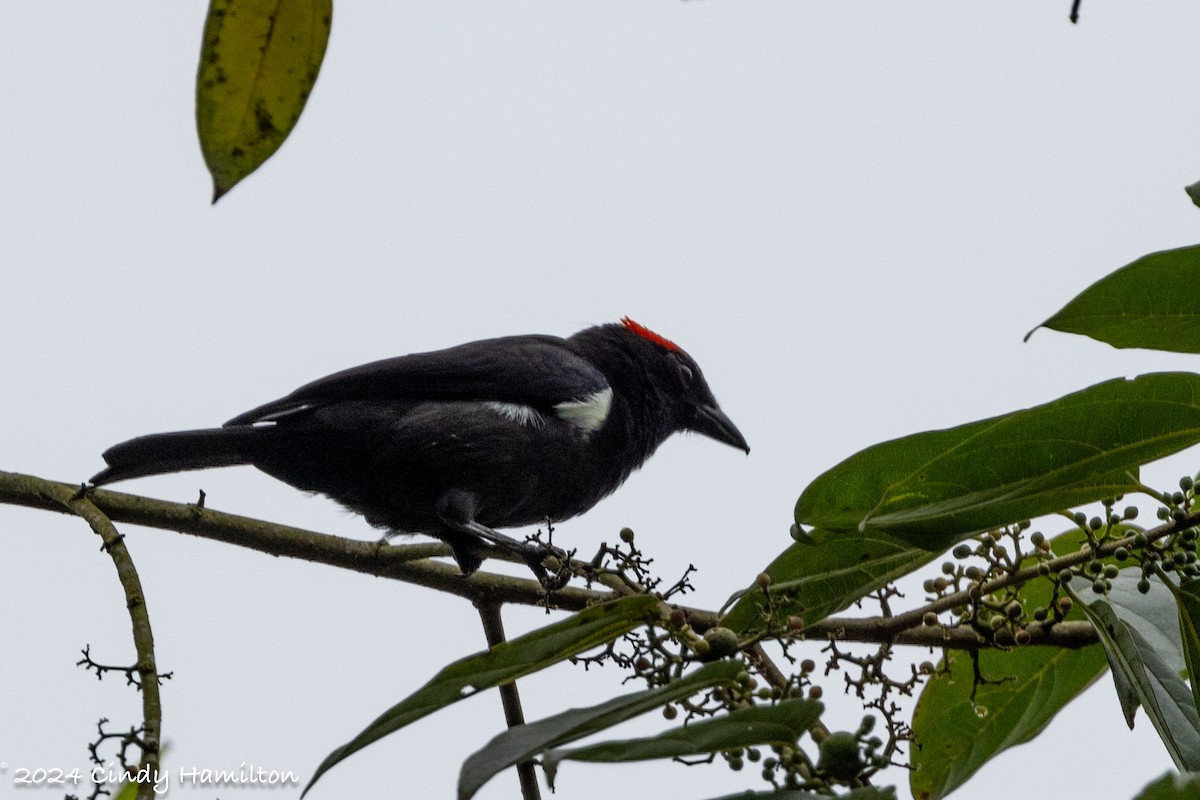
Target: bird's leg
[
  {"x": 533, "y": 553},
  {"x": 471, "y": 541},
  {"x": 464, "y": 534},
  {"x": 467, "y": 550},
  {"x": 456, "y": 508}
]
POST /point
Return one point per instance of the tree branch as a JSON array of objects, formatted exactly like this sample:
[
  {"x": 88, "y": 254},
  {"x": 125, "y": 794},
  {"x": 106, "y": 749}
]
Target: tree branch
[
  {"x": 414, "y": 564},
  {"x": 143, "y": 636},
  {"x": 510, "y": 698},
  {"x": 408, "y": 563}
]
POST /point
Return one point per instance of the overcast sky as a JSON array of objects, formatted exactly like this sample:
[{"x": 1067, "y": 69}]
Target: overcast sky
[{"x": 849, "y": 213}]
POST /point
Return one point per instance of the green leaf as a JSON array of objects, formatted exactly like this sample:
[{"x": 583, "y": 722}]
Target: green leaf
[
  {"x": 815, "y": 578},
  {"x": 778, "y": 724},
  {"x": 865, "y": 793},
  {"x": 933, "y": 489},
  {"x": 524, "y": 741},
  {"x": 500, "y": 665},
  {"x": 1149, "y": 303},
  {"x": 1187, "y": 597},
  {"x": 1027, "y": 686},
  {"x": 258, "y": 64},
  {"x": 1172, "y": 786},
  {"x": 1187, "y": 645},
  {"x": 128, "y": 791},
  {"x": 1132, "y": 639},
  {"x": 1155, "y": 620}
]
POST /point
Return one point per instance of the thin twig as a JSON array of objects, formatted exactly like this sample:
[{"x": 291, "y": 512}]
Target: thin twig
[
  {"x": 143, "y": 636},
  {"x": 910, "y": 619}
]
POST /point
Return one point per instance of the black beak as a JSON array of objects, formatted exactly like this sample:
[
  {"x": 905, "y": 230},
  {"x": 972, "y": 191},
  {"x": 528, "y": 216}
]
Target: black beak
[{"x": 712, "y": 422}]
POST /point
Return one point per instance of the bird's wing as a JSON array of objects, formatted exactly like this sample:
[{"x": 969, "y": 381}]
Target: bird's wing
[{"x": 536, "y": 371}]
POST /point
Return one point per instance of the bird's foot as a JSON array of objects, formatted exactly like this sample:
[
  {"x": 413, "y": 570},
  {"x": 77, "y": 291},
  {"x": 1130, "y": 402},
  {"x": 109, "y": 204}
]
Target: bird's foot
[
  {"x": 553, "y": 567},
  {"x": 472, "y": 542},
  {"x": 549, "y": 564}
]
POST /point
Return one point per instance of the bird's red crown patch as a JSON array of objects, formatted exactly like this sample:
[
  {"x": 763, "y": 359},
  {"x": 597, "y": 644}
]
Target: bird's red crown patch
[{"x": 646, "y": 333}]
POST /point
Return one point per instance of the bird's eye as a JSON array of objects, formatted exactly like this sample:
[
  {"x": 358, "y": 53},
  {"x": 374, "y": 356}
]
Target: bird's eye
[{"x": 685, "y": 374}]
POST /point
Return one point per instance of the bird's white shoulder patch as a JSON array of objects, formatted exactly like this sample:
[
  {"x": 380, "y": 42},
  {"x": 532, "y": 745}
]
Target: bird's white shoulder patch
[
  {"x": 520, "y": 414},
  {"x": 588, "y": 413}
]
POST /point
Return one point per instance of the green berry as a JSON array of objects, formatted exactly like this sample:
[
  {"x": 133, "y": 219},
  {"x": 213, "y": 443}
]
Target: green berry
[
  {"x": 839, "y": 756},
  {"x": 721, "y": 642}
]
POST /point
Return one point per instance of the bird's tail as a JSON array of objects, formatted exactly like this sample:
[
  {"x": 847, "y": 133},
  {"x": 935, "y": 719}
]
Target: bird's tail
[{"x": 180, "y": 451}]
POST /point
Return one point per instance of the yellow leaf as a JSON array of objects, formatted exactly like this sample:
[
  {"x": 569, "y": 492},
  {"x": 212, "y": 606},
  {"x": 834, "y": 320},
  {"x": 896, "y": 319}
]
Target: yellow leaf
[{"x": 258, "y": 64}]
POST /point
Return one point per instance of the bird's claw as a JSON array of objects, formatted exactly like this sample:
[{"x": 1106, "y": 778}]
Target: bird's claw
[{"x": 551, "y": 565}]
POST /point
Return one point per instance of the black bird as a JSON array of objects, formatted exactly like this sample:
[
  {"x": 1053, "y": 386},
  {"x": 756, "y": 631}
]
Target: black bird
[{"x": 454, "y": 443}]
